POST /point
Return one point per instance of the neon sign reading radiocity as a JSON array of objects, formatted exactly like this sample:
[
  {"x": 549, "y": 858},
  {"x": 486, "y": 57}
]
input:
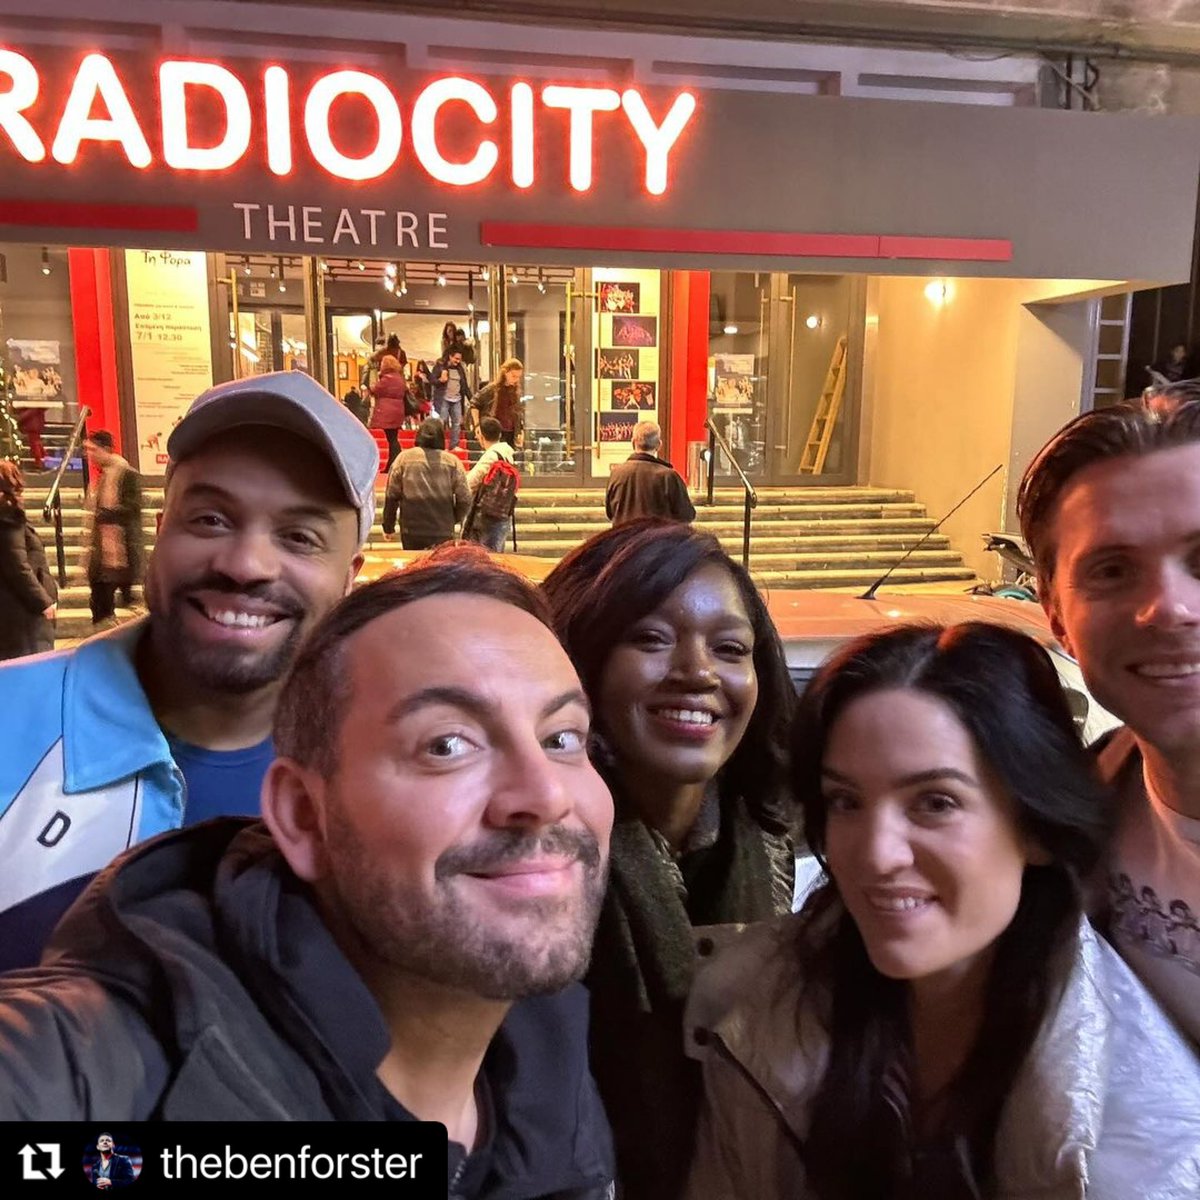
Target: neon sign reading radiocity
[{"x": 98, "y": 85}]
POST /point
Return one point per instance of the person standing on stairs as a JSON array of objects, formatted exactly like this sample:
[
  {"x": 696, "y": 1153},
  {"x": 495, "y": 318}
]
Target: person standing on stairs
[
  {"x": 645, "y": 485},
  {"x": 166, "y": 721},
  {"x": 116, "y": 549}
]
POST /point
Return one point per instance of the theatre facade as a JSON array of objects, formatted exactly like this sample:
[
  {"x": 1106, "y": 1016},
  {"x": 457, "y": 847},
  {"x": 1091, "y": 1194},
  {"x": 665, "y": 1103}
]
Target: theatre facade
[{"x": 851, "y": 290}]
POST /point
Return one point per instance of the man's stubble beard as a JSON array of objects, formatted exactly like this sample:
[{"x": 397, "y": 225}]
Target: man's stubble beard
[
  {"x": 443, "y": 941},
  {"x": 215, "y": 668}
]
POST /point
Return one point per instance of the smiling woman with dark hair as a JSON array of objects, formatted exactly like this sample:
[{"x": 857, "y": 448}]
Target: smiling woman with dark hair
[
  {"x": 940, "y": 1020},
  {"x": 692, "y": 704}
]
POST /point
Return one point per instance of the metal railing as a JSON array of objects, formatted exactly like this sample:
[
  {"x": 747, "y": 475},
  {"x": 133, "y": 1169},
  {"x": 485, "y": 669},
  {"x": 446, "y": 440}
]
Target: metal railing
[
  {"x": 715, "y": 440},
  {"x": 52, "y": 509}
]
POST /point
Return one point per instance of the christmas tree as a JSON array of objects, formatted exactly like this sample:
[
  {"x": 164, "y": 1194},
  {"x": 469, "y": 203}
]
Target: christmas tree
[{"x": 11, "y": 445}]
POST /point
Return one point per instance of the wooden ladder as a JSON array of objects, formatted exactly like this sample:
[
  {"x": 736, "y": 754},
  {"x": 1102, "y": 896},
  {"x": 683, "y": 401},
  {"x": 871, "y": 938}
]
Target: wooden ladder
[{"x": 812, "y": 461}]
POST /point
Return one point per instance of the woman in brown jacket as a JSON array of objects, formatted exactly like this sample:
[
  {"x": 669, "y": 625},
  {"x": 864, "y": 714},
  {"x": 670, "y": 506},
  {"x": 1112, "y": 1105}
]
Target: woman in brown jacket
[{"x": 502, "y": 399}]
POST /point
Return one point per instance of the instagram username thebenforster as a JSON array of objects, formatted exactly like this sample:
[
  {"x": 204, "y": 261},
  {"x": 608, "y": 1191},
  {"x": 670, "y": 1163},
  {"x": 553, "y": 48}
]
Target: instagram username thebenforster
[{"x": 306, "y": 1163}]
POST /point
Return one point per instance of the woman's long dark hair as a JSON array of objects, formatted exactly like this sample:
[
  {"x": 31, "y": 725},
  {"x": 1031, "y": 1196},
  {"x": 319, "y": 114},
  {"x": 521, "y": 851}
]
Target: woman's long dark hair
[
  {"x": 1003, "y": 687},
  {"x": 620, "y": 576}
]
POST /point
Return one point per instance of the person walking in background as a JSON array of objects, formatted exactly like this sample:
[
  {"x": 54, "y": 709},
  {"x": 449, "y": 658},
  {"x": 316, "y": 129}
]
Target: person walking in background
[
  {"x": 450, "y": 392},
  {"x": 391, "y": 388},
  {"x": 116, "y": 547},
  {"x": 501, "y": 399},
  {"x": 31, "y": 422},
  {"x": 453, "y": 339},
  {"x": 427, "y": 490},
  {"x": 493, "y": 481},
  {"x": 28, "y": 593},
  {"x": 645, "y": 485},
  {"x": 357, "y": 404}
]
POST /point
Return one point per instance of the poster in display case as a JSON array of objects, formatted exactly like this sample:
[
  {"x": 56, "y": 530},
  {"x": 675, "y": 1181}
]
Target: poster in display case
[{"x": 637, "y": 394}]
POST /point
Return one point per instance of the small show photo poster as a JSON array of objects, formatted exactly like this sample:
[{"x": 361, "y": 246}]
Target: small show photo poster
[
  {"x": 637, "y": 394},
  {"x": 35, "y": 372},
  {"x": 617, "y": 364},
  {"x": 170, "y": 344},
  {"x": 620, "y": 296},
  {"x": 732, "y": 382},
  {"x": 626, "y": 330},
  {"x": 618, "y": 428}
]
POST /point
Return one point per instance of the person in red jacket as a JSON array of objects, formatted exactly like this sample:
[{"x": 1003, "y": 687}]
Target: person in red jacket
[{"x": 390, "y": 390}]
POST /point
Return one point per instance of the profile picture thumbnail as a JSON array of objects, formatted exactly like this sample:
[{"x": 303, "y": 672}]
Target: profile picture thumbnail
[{"x": 111, "y": 1162}]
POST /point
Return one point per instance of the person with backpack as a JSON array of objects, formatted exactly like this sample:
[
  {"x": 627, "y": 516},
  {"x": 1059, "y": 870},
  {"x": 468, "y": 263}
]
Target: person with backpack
[{"x": 494, "y": 481}]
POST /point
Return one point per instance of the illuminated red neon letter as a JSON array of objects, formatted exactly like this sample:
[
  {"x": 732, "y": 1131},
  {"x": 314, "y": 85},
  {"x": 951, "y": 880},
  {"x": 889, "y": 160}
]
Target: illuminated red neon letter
[
  {"x": 20, "y": 96},
  {"x": 97, "y": 77},
  {"x": 582, "y": 102},
  {"x": 424, "y": 131},
  {"x": 174, "y": 78},
  {"x": 657, "y": 139},
  {"x": 521, "y": 105},
  {"x": 278, "y": 101},
  {"x": 316, "y": 124}
]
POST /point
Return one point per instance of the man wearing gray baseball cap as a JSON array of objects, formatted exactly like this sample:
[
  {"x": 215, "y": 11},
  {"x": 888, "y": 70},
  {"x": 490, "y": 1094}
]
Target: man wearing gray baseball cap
[{"x": 166, "y": 721}]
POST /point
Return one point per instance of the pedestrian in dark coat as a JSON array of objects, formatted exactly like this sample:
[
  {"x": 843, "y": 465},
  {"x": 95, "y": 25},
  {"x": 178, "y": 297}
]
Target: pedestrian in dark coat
[
  {"x": 28, "y": 593},
  {"x": 645, "y": 485}
]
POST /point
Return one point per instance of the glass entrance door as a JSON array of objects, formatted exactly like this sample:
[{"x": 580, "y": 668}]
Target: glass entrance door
[{"x": 782, "y": 376}]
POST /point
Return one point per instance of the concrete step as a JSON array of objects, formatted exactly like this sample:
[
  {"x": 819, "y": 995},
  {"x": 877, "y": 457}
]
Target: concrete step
[{"x": 849, "y": 578}]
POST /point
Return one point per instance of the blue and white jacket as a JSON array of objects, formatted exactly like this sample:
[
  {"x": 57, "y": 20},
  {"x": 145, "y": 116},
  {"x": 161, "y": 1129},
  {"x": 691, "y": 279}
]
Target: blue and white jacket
[{"x": 85, "y": 773}]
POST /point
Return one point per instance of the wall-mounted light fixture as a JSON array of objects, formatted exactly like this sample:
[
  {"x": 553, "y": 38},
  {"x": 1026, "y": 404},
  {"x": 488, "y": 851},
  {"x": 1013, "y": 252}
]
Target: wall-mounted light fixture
[
  {"x": 938, "y": 291},
  {"x": 812, "y": 321},
  {"x": 45, "y": 261},
  {"x": 730, "y": 329}
]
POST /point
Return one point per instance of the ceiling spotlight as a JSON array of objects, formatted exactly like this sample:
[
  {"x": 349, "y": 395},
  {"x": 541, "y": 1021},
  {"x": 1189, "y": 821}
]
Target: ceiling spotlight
[
  {"x": 324, "y": 266},
  {"x": 403, "y": 289},
  {"x": 272, "y": 270},
  {"x": 390, "y": 270},
  {"x": 470, "y": 306},
  {"x": 484, "y": 274},
  {"x": 541, "y": 281},
  {"x": 246, "y": 267},
  {"x": 282, "y": 286},
  {"x": 730, "y": 329},
  {"x": 45, "y": 261},
  {"x": 513, "y": 278},
  {"x": 362, "y": 266},
  {"x": 813, "y": 321},
  {"x": 441, "y": 277},
  {"x": 388, "y": 286}
]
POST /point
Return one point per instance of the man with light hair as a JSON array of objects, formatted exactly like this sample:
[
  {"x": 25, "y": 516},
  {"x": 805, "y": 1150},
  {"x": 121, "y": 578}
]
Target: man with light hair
[{"x": 645, "y": 485}]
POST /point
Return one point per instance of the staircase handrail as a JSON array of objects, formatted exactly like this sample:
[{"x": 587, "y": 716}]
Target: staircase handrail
[
  {"x": 77, "y": 435},
  {"x": 52, "y": 509},
  {"x": 715, "y": 440}
]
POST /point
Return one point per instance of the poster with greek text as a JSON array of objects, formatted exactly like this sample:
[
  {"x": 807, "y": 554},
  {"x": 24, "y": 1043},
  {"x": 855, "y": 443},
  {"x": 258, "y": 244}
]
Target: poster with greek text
[{"x": 170, "y": 344}]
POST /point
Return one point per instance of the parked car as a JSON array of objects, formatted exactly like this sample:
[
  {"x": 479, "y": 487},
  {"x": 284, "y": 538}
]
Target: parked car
[{"x": 813, "y": 624}]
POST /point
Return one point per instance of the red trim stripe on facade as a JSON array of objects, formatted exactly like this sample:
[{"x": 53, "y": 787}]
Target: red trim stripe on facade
[
  {"x": 55, "y": 214},
  {"x": 715, "y": 241}
]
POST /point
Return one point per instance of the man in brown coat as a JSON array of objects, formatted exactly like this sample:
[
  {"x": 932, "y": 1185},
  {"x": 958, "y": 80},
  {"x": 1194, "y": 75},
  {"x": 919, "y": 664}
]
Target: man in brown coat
[{"x": 645, "y": 485}]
